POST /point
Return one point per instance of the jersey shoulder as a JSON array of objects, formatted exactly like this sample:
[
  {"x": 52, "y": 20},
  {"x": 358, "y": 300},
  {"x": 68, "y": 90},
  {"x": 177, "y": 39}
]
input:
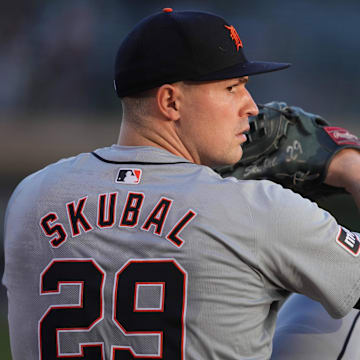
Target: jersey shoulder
[
  {"x": 37, "y": 184},
  {"x": 264, "y": 192}
]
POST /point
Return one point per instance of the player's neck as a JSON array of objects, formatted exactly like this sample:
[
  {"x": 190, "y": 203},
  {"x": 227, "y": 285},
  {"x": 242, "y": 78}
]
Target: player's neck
[{"x": 161, "y": 136}]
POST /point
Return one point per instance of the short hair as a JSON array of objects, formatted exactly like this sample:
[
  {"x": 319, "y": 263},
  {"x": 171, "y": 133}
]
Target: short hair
[{"x": 138, "y": 105}]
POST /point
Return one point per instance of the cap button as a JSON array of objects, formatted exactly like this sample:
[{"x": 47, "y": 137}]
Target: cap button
[{"x": 167, "y": 10}]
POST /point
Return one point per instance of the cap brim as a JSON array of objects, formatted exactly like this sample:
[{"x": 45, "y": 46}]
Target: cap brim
[{"x": 244, "y": 69}]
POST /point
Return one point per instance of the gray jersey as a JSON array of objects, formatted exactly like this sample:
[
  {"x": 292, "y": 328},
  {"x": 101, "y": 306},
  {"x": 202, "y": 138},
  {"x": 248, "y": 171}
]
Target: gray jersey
[
  {"x": 132, "y": 252},
  {"x": 304, "y": 330}
]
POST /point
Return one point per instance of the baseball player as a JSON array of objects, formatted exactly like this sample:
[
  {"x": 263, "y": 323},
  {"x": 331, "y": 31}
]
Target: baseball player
[{"x": 181, "y": 263}]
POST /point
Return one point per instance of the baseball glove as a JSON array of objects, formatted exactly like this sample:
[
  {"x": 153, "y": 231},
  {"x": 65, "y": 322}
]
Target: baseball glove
[{"x": 291, "y": 147}]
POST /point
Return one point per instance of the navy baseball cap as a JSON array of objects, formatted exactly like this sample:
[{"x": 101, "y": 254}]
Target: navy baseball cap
[{"x": 172, "y": 46}]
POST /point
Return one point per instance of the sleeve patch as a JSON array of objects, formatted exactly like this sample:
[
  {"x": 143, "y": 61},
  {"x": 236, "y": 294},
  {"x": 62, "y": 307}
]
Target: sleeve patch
[{"x": 348, "y": 241}]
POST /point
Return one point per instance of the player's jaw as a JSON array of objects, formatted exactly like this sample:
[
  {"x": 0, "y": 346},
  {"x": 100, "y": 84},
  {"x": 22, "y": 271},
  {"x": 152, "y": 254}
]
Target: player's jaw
[{"x": 223, "y": 142}]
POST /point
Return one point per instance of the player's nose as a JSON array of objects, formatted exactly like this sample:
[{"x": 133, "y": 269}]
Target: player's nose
[{"x": 251, "y": 107}]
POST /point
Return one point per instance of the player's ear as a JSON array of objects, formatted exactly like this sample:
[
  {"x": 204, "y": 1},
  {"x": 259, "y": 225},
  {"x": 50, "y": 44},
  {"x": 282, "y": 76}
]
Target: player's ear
[{"x": 168, "y": 99}]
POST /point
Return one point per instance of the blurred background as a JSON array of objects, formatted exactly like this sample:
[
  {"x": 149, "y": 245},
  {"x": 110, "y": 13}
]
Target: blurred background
[{"x": 56, "y": 72}]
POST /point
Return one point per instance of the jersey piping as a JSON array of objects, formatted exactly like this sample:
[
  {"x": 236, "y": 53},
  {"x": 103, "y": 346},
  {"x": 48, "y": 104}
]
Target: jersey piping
[
  {"x": 137, "y": 162},
  {"x": 342, "y": 352}
]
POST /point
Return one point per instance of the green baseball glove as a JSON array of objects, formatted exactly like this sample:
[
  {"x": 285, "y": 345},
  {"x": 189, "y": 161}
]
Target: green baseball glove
[{"x": 293, "y": 148}]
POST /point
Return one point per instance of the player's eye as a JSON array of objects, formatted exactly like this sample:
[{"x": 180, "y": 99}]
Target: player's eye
[{"x": 231, "y": 88}]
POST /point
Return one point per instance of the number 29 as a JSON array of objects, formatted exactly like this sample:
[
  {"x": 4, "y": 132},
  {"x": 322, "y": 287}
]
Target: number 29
[{"x": 165, "y": 320}]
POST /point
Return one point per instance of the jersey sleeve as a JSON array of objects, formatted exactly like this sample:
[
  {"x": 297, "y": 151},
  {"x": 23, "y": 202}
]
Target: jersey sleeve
[{"x": 301, "y": 248}]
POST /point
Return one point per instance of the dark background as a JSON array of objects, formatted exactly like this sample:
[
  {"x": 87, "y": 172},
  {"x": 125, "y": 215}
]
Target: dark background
[{"x": 56, "y": 72}]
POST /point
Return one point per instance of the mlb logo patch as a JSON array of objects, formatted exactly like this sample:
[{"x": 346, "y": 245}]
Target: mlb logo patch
[
  {"x": 129, "y": 176},
  {"x": 348, "y": 241}
]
